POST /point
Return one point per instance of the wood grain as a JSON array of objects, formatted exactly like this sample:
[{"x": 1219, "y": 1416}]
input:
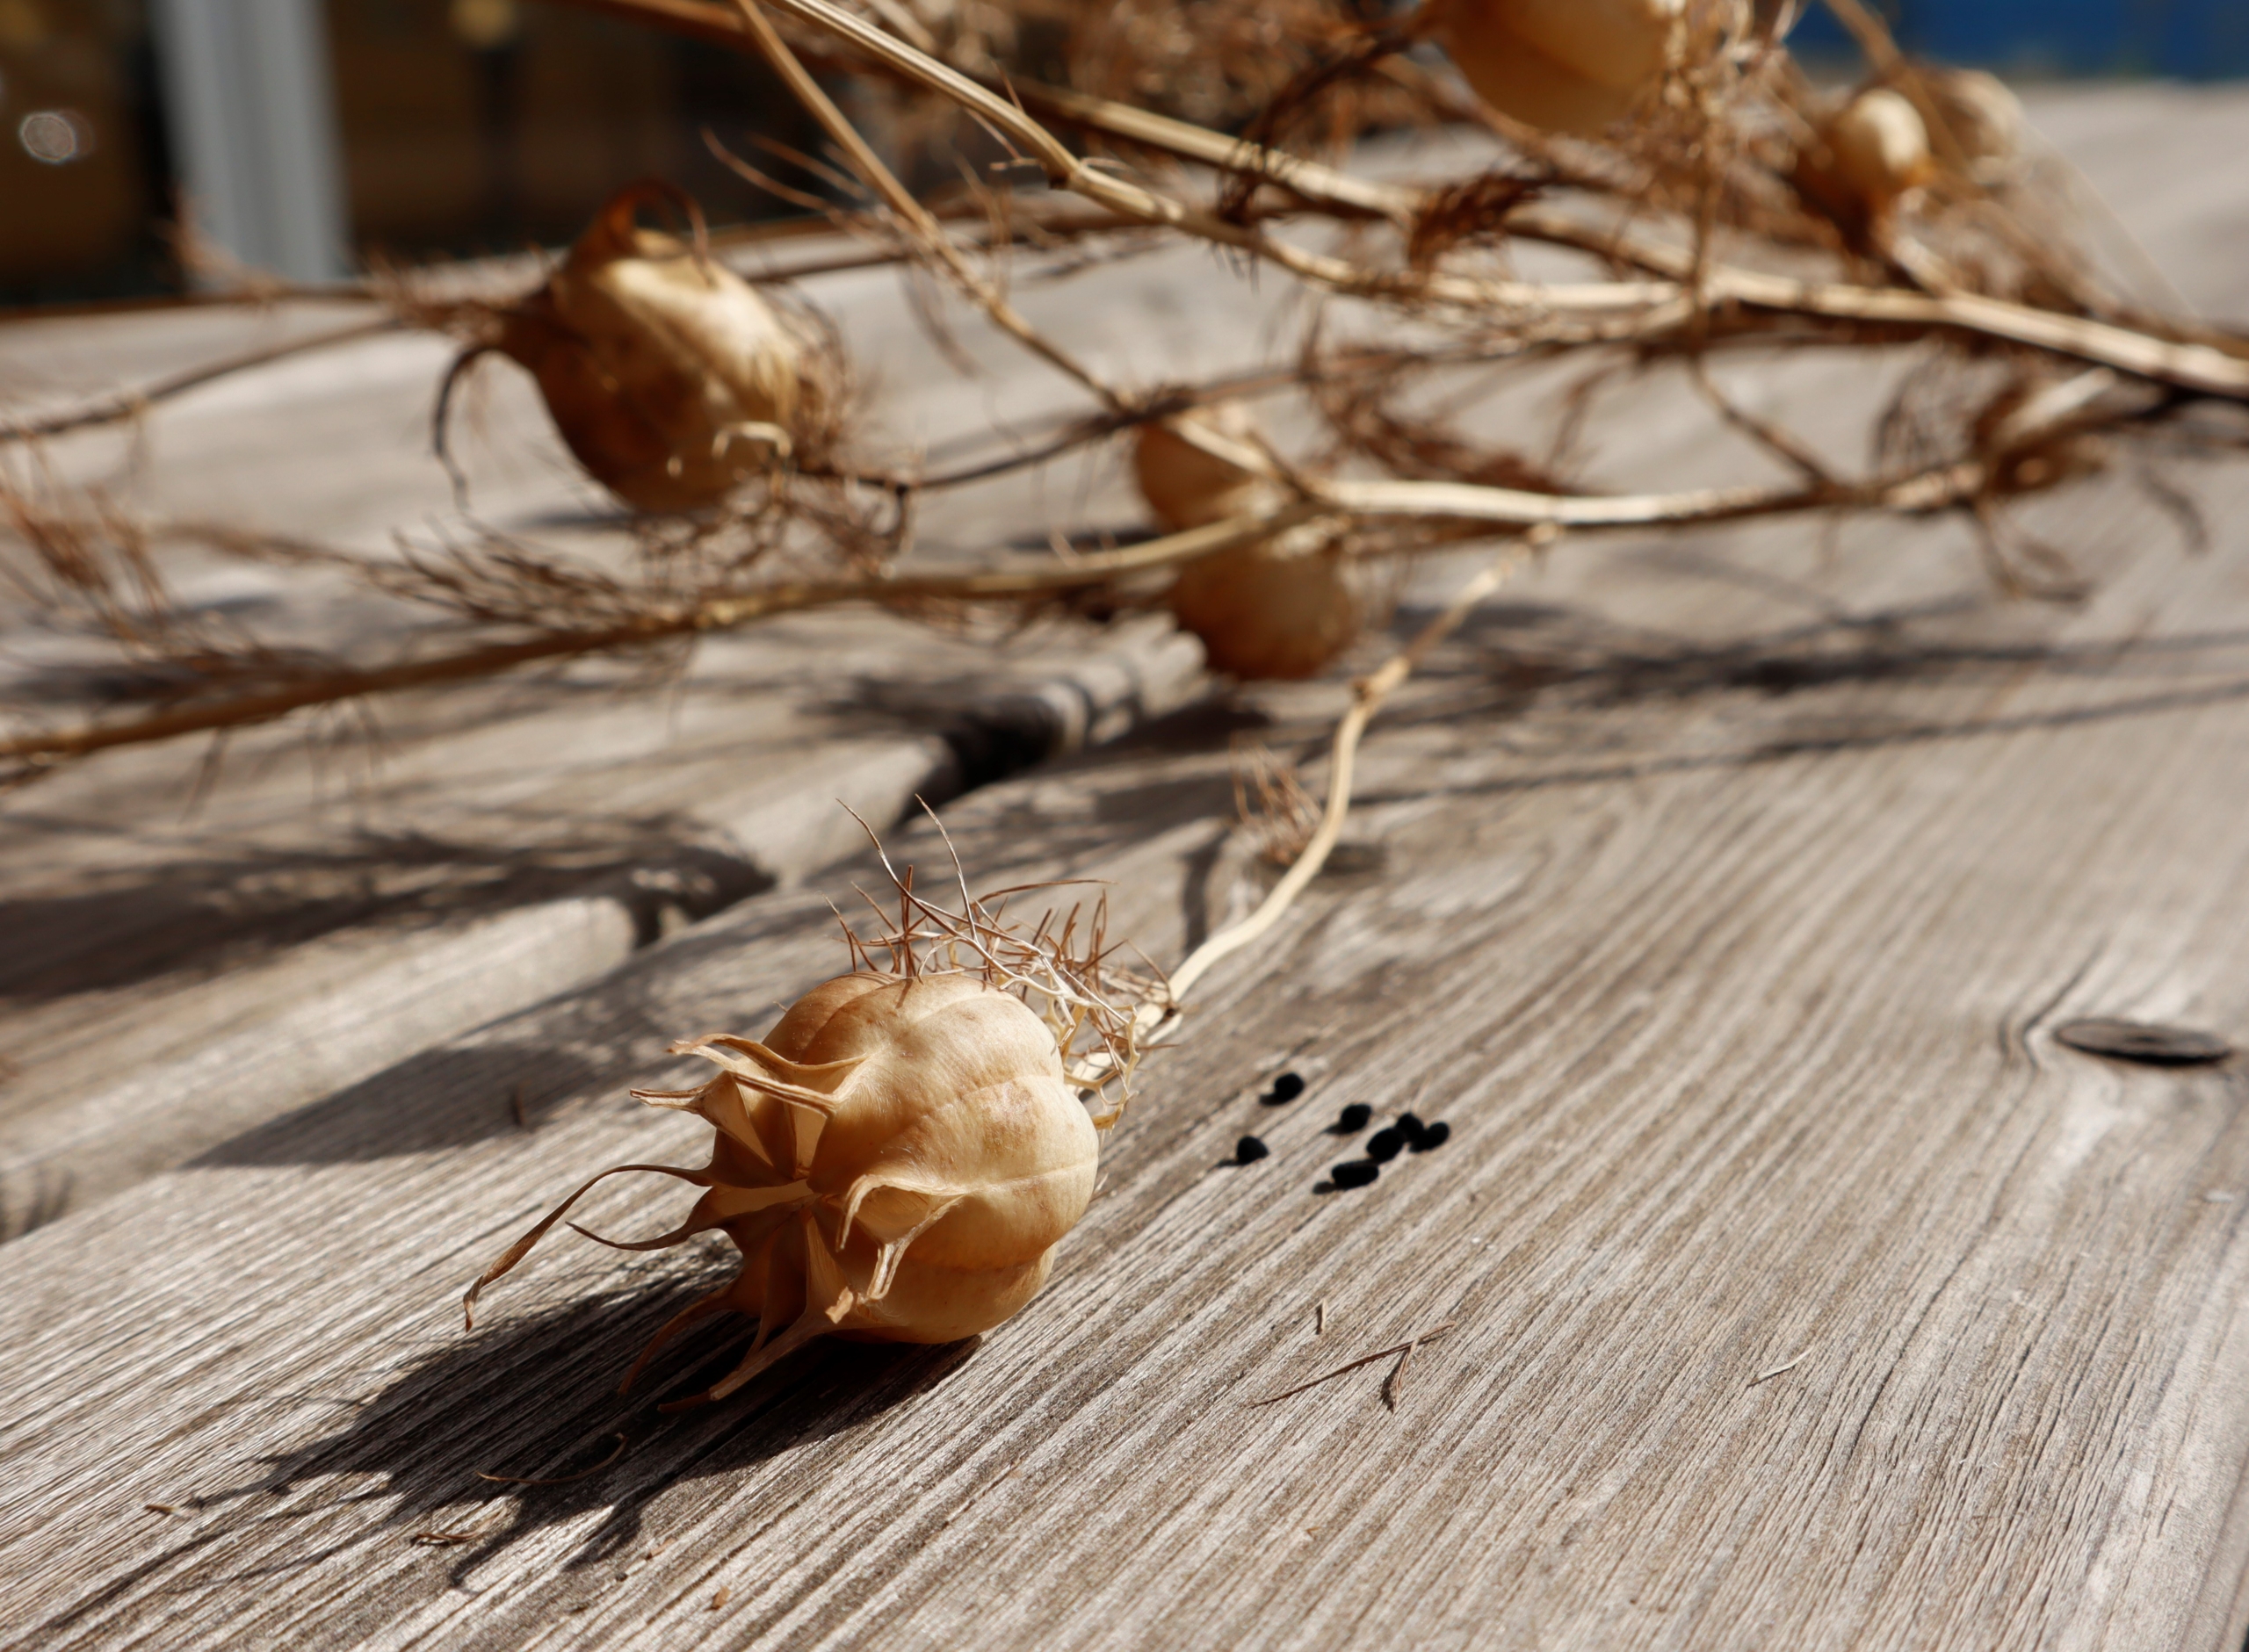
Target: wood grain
[{"x": 1721, "y": 893}]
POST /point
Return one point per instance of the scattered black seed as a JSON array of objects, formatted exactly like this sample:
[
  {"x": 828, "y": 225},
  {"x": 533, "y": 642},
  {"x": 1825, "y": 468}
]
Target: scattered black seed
[
  {"x": 1249, "y": 1150},
  {"x": 1287, "y": 1087},
  {"x": 1384, "y": 1145},
  {"x": 2144, "y": 1042},
  {"x": 1409, "y": 1125},
  {"x": 1433, "y": 1135},
  {"x": 1353, "y": 1172},
  {"x": 1353, "y": 1119}
]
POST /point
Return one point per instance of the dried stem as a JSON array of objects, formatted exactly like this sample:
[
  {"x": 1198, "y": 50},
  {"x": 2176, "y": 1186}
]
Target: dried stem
[
  {"x": 1348, "y": 1365},
  {"x": 1367, "y": 695},
  {"x": 910, "y": 213},
  {"x": 1325, "y": 500},
  {"x": 129, "y": 404},
  {"x": 715, "y": 614}
]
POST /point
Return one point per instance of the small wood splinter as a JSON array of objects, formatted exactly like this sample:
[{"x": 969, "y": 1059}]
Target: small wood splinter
[
  {"x": 1778, "y": 1370},
  {"x": 1406, "y": 1346},
  {"x": 463, "y": 1534}
]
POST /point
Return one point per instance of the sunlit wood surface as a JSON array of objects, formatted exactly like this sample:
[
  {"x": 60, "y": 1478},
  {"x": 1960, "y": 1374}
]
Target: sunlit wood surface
[{"x": 1723, "y": 893}]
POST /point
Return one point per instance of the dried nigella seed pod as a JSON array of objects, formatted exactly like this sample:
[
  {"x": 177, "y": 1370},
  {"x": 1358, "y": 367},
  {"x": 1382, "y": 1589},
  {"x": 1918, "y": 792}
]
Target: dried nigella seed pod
[
  {"x": 897, "y": 1159},
  {"x": 1574, "y": 65},
  {"x": 669, "y": 376},
  {"x": 1280, "y": 608},
  {"x": 1986, "y": 118},
  {"x": 1880, "y": 148}
]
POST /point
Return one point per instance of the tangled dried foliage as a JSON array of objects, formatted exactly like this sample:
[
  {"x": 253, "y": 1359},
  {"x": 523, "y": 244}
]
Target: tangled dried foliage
[{"x": 1717, "y": 200}]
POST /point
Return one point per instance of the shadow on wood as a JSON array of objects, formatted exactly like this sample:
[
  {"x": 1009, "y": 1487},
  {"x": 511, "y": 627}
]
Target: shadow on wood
[
  {"x": 534, "y": 1398},
  {"x": 434, "y": 1100},
  {"x": 137, "y": 923}
]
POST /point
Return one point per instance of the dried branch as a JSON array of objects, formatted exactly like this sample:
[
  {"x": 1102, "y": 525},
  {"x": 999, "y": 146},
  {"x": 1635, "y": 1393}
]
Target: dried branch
[
  {"x": 2202, "y": 368},
  {"x": 131, "y": 404}
]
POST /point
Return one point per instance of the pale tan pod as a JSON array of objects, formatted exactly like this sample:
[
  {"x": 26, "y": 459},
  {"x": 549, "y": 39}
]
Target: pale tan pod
[
  {"x": 940, "y": 1152},
  {"x": 1986, "y": 120},
  {"x": 1188, "y": 486},
  {"x": 1880, "y": 144},
  {"x": 1570, "y": 66},
  {"x": 667, "y": 375},
  {"x": 1282, "y": 608},
  {"x": 896, "y": 1161},
  {"x": 1619, "y": 43}
]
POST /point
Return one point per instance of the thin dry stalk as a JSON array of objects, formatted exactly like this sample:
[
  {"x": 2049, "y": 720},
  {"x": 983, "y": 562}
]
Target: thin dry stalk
[
  {"x": 1368, "y": 694},
  {"x": 131, "y": 404},
  {"x": 321, "y": 684},
  {"x": 1349, "y": 1366},
  {"x": 910, "y": 215}
]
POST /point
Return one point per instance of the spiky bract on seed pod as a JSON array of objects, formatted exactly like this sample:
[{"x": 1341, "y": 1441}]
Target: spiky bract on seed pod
[
  {"x": 1574, "y": 65},
  {"x": 1282, "y": 607},
  {"x": 669, "y": 376}
]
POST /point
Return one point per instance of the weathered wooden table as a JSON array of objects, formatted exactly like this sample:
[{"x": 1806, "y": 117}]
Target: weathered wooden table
[{"x": 1722, "y": 892}]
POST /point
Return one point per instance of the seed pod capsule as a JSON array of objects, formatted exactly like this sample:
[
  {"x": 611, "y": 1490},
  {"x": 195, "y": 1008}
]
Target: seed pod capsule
[
  {"x": 895, "y": 1161},
  {"x": 1881, "y": 147},
  {"x": 1575, "y": 66},
  {"x": 671, "y": 380},
  {"x": 1280, "y": 608}
]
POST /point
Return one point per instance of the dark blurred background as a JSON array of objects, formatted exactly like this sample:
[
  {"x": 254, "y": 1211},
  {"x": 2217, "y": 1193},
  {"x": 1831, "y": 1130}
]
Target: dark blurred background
[
  {"x": 309, "y": 135},
  {"x": 306, "y": 135}
]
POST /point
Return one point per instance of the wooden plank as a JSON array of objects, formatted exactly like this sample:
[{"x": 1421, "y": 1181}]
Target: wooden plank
[
  {"x": 1740, "y": 1004},
  {"x": 1722, "y": 894}
]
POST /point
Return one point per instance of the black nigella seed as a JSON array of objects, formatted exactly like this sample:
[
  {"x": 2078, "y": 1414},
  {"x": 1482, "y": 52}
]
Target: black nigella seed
[
  {"x": 1353, "y": 1119},
  {"x": 1287, "y": 1087},
  {"x": 1433, "y": 1135},
  {"x": 1249, "y": 1150},
  {"x": 1409, "y": 1125},
  {"x": 1384, "y": 1145},
  {"x": 1353, "y": 1172}
]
